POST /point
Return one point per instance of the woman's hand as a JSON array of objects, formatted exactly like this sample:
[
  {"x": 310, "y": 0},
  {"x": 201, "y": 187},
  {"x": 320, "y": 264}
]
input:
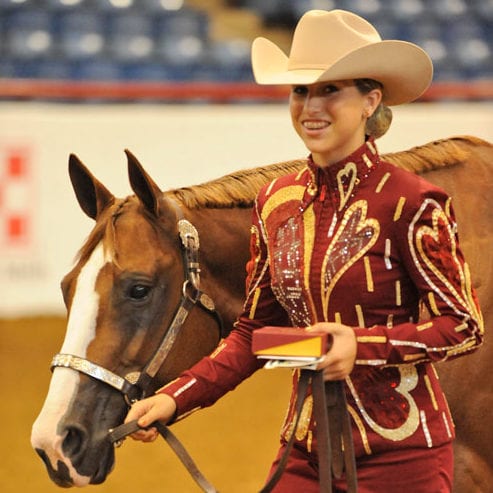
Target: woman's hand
[
  {"x": 338, "y": 363},
  {"x": 159, "y": 407}
]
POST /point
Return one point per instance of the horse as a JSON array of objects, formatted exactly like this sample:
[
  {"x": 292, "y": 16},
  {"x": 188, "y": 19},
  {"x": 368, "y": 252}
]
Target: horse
[{"x": 143, "y": 305}]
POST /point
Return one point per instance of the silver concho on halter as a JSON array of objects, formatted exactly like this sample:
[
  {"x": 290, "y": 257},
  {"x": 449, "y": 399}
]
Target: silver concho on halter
[
  {"x": 190, "y": 240},
  {"x": 187, "y": 230}
]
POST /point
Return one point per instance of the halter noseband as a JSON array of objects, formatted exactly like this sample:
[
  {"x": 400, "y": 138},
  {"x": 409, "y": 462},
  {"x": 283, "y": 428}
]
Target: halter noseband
[{"x": 134, "y": 385}]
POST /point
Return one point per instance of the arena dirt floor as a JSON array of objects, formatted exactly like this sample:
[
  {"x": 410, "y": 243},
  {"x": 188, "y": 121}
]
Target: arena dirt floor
[{"x": 233, "y": 443}]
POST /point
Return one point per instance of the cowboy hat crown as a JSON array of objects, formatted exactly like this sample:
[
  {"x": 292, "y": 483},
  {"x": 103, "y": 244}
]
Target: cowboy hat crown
[{"x": 340, "y": 45}]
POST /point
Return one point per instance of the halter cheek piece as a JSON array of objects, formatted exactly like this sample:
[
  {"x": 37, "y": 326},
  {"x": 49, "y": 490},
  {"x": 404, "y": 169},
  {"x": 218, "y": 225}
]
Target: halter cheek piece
[{"x": 135, "y": 385}]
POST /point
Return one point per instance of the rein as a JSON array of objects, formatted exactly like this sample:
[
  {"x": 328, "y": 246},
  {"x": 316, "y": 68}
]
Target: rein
[
  {"x": 135, "y": 385},
  {"x": 334, "y": 435}
]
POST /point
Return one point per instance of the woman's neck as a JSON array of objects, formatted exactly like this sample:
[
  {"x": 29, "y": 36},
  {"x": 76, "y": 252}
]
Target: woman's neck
[{"x": 325, "y": 160}]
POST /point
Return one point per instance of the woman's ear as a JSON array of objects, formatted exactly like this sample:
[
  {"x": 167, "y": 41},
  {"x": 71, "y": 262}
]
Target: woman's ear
[{"x": 373, "y": 99}]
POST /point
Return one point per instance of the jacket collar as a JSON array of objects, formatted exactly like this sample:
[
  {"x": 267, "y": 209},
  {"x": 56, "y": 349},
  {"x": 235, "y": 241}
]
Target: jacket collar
[
  {"x": 343, "y": 175},
  {"x": 365, "y": 158}
]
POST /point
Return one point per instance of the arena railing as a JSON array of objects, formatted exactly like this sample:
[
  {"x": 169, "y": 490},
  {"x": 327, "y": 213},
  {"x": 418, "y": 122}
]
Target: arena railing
[{"x": 205, "y": 92}]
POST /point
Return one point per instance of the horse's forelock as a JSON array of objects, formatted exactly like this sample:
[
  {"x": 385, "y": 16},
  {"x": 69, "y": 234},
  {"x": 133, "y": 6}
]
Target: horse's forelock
[{"x": 104, "y": 223}]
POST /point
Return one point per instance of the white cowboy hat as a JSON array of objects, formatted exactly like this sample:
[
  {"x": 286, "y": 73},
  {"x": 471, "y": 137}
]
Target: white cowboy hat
[{"x": 339, "y": 45}]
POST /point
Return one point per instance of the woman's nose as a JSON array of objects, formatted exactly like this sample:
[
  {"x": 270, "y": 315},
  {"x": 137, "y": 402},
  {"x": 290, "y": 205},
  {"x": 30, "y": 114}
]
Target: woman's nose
[{"x": 313, "y": 103}]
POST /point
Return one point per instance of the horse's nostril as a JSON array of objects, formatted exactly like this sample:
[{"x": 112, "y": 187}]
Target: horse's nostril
[
  {"x": 74, "y": 442},
  {"x": 61, "y": 475}
]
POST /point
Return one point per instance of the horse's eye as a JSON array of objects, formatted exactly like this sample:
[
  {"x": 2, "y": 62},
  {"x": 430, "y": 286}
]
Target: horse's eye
[{"x": 139, "y": 291}]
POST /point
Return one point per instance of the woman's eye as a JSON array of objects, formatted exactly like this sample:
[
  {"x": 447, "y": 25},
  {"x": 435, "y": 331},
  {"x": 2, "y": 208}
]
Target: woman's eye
[
  {"x": 330, "y": 88},
  {"x": 321, "y": 90},
  {"x": 300, "y": 90},
  {"x": 139, "y": 291}
]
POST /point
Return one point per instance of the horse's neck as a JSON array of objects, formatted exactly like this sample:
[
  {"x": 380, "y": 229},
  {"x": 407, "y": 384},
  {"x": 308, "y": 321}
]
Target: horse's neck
[{"x": 224, "y": 241}]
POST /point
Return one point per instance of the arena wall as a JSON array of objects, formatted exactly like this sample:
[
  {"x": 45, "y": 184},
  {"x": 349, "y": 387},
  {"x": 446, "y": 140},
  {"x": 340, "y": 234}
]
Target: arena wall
[{"x": 41, "y": 224}]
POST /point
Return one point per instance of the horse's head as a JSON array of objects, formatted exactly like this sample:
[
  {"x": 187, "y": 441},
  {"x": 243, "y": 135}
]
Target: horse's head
[{"x": 132, "y": 325}]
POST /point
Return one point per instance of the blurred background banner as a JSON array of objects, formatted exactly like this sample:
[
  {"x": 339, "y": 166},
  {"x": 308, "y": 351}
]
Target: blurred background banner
[{"x": 17, "y": 200}]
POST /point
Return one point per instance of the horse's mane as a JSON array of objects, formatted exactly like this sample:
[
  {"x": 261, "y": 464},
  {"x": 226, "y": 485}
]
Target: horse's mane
[
  {"x": 240, "y": 188},
  {"x": 434, "y": 155},
  {"x": 237, "y": 189}
]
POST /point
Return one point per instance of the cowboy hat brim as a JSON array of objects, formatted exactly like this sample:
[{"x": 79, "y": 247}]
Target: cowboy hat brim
[{"x": 404, "y": 69}]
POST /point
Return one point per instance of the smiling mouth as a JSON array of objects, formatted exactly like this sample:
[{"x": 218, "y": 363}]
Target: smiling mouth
[{"x": 315, "y": 125}]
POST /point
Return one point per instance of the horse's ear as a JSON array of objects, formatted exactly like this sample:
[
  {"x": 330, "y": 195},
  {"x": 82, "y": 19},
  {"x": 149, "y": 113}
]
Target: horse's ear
[
  {"x": 143, "y": 185},
  {"x": 92, "y": 195}
]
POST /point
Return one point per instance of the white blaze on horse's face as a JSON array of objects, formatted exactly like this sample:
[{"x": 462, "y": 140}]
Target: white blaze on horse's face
[{"x": 64, "y": 383}]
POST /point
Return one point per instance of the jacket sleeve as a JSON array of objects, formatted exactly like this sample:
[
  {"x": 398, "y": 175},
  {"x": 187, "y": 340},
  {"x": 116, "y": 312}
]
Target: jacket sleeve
[
  {"x": 429, "y": 248},
  {"x": 232, "y": 361}
]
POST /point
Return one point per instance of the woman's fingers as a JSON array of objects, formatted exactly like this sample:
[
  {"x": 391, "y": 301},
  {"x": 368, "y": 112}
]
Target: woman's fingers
[
  {"x": 147, "y": 435},
  {"x": 338, "y": 363},
  {"x": 158, "y": 407}
]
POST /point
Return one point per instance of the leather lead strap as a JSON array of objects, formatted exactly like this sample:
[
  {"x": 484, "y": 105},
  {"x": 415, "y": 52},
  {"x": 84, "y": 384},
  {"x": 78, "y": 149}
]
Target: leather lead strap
[
  {"x": 347, "y": 440},
  {"x": 334, "y": 435},
  {"x": 300, "y": 399},
  {"x": 324, "y": 434},
  {"x": 122, "y": 431}
]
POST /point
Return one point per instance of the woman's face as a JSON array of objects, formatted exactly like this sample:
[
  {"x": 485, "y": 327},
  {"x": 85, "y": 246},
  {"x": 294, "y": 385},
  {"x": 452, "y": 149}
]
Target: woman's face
[{"x": 330, "y": 118}]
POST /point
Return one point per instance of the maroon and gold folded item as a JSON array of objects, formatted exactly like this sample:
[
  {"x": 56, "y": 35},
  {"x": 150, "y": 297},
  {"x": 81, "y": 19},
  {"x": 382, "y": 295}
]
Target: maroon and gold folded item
[{"x": 289, "y": 343}]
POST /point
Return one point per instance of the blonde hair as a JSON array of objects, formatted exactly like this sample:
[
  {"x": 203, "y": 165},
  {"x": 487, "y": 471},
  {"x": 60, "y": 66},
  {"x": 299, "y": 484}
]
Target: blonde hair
[{"x": 379, "y": 122}]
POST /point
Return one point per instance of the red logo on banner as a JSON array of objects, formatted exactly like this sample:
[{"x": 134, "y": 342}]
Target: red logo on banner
[{"x": 15, "y": 198}]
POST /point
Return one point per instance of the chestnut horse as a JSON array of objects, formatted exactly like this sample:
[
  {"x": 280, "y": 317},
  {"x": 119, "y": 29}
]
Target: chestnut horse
[{"x": 140, "y": 307}]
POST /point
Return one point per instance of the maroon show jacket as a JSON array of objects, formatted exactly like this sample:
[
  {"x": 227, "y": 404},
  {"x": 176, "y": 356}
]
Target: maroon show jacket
[{"x": 363, "y": 243}]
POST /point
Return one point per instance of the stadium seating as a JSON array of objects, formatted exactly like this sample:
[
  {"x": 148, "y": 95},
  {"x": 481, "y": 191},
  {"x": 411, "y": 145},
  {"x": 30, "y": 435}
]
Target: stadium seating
[{"x": 169, "y": 40}]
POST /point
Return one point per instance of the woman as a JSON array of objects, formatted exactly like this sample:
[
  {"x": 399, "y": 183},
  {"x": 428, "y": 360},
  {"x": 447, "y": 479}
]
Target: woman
[{"x": 350, "y": 246}]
